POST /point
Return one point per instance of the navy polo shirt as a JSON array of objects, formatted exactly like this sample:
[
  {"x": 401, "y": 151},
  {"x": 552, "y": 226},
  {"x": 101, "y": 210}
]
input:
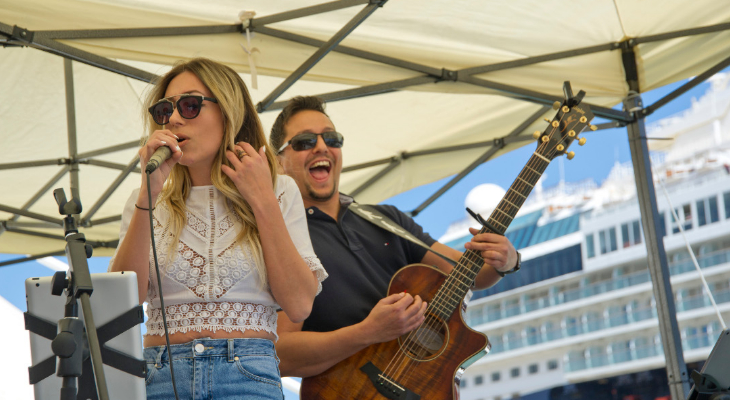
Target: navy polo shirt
[{"x": 360, "y": 259}]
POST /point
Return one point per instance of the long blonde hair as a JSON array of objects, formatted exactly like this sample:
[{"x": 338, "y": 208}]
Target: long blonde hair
[{"x": 240, "y": 123}]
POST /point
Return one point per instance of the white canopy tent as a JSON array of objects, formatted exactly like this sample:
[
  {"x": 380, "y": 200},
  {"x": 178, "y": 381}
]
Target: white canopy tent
[{"x": 466, "y": 81}]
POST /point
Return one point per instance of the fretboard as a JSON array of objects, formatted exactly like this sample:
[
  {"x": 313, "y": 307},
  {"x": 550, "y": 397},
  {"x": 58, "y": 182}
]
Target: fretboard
[{"x": 462, "y": 277}]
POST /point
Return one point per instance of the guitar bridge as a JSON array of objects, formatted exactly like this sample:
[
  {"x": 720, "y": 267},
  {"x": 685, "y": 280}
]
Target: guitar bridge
[{"x": 387, "y": 386}]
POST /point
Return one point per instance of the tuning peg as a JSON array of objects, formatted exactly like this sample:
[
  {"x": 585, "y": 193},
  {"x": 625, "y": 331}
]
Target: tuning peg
[
  {"x": 571, "y": 133},
  {"x": 536, "y": 135},
  {"x": 548, "y": 120},
  {"x": 545, "y": 139},
  {"x": 582, "y": 141},
  {"x": 555, "y": 124},
  {"x": 556, "y": 105},
  {"x": 570, "y": 155},
  {"x": 583, "y": 119},
  {"x": 565, "y": 109},
  {"x": 593, "y": 127},
  {"x": 560, "y": 147}
]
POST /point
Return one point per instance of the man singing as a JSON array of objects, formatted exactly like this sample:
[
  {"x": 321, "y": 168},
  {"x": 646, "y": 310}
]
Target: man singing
[{"x": 361, "y": 258}]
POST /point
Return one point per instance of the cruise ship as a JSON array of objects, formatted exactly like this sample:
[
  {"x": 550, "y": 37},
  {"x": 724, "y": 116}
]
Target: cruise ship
[{"x": 579, "y": 320}]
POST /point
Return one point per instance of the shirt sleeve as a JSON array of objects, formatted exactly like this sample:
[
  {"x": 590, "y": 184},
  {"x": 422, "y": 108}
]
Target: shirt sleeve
[{"x": 292, "y": 208}]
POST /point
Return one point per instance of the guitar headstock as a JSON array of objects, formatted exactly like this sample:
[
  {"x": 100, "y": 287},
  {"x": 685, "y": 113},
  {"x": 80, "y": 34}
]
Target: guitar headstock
[{"x": 563, "y": 129}]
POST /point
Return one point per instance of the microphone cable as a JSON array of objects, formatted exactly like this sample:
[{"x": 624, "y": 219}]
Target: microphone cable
[{"x": 159, "y": 285}]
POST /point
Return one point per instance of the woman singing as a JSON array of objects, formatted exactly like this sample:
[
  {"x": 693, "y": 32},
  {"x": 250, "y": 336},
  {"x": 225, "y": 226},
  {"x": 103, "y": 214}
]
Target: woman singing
[{"x": 231, "y": 238}]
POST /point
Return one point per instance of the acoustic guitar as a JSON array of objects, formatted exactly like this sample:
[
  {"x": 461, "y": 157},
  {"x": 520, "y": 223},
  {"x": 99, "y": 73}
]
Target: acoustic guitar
[{"x": 423, "y": 364}]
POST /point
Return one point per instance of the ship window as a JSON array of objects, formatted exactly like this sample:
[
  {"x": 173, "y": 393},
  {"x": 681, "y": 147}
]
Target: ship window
[
  {"x": 532, "y": 368},
  {"x": 514, "y": 340},
  {"x": 590, "y": 247},
  {"x": 497, "y": 343},
  {"x": 478, "y": 380},
  {"x": 496, "y": 376},
  {"x": 514, "y": 372},
  {"x": 707, "y": 212},
  {"x": 607, "y": 240},
  {"x": 684, "y": 214},
  {"x": 533, "y": 335},
  {"x": 636, "y": 225},
  {"x": 631, "y": 233},
  {"x": 621, "y": 351},
  {"x": 726, "y": 198},
  {"x": 552, "y": 365}
]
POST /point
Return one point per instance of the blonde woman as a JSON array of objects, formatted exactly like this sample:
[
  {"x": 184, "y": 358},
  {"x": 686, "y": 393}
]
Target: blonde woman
[{"x": 231, "y": 237}]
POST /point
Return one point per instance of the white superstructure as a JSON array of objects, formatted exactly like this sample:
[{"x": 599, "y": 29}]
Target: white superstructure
[{"x": 582, "y": 309}]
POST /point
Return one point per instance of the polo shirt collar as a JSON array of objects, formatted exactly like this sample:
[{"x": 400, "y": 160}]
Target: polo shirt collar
[{"x": 345, "y": 201}]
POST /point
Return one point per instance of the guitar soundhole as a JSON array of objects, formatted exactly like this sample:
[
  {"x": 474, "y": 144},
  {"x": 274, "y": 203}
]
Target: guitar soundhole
[{"x": 427, "y": 341}]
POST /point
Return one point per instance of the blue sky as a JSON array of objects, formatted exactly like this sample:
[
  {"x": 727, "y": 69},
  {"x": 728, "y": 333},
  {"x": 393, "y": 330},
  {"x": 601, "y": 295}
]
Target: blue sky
[{"x": 594, "y": 160}]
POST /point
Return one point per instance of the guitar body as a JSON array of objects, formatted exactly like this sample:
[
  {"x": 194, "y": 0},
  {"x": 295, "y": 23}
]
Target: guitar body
[{"x": 425, "y": 365}]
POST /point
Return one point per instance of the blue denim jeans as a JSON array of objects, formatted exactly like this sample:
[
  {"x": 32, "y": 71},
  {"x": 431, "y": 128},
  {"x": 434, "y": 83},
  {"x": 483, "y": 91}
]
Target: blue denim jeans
[{"x": 215, "y": 369}]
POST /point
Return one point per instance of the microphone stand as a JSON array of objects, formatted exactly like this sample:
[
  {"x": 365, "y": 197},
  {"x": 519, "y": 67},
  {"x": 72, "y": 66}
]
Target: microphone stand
[{"x": 69, "y": 343}]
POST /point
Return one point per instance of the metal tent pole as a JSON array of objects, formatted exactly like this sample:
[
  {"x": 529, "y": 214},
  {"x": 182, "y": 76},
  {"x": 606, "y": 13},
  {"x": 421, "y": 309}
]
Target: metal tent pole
[
  {"x": 68, "y": 74},
  {"x": 655, "y": 254}
]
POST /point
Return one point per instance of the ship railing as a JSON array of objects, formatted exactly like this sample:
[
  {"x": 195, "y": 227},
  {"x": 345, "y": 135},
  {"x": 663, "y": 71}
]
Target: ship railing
[
  {"x": 480, "y": 314},
  {"x": 637, "y": 348},
  {"x": 569, "y": 327}
]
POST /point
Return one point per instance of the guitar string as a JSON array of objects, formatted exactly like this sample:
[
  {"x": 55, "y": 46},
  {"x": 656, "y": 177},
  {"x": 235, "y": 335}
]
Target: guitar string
[
  {"x": 447, "y": 295},
  {"x": 528, "y": 166},
  {"x": 437, "y": 302},
  {"x": 538, "y": 174}
]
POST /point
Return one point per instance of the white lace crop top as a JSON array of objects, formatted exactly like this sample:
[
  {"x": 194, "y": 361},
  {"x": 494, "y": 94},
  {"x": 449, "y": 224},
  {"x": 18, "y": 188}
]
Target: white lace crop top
[{"x": 211, "y": 282}]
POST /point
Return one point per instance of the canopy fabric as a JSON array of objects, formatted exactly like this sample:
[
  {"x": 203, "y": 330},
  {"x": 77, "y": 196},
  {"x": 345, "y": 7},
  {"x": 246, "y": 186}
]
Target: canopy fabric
[{"x": 435, "y": 35}]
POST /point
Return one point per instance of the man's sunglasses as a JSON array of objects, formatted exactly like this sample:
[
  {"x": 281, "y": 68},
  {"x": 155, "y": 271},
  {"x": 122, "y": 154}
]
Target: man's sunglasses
[
  {"x": 306, "y": 141},
  {"x": 188, "y": 105}
]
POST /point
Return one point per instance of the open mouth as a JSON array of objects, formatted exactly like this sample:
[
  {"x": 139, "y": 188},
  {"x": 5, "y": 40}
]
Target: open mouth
[
  {"x": 320, "y": 170},
  {"x": 181, "y": 140}
]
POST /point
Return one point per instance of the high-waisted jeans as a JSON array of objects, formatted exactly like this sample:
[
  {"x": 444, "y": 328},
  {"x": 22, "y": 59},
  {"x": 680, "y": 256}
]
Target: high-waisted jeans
[{"x": 215, "y": 369}]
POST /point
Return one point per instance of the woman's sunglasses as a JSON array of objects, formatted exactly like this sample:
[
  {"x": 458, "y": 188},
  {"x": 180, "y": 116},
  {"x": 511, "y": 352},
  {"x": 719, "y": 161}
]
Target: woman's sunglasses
[
  {"x": 306, "y": 141},
  {"x": 188, "y": 105}
]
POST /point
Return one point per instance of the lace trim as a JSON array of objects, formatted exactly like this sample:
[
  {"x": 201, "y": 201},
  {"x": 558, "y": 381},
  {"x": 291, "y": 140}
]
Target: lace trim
[
  {"x": 225, "y": 225},
  {"x": 197, "y": 225},
  {"x": 316, "y": 266},
  {"x": 214, "y": 316}
]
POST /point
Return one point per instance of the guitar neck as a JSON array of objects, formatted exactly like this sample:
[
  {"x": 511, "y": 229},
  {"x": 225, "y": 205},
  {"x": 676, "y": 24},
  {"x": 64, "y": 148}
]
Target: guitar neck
[{"x": 462, "y": 277}]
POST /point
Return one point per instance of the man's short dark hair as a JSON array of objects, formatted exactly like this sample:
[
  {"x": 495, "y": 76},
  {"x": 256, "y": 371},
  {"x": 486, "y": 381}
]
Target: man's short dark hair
[{"x": 295, "y": 105}]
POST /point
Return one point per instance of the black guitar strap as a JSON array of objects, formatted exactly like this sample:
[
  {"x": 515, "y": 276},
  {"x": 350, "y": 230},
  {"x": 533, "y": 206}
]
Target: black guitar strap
[{"x": 372, "y": 215}]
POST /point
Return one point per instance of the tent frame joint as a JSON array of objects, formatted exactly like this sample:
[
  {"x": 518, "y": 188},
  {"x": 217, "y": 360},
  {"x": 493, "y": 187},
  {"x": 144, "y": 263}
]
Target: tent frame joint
[
  {"x": 626, "y": 44},
  {"x": 449, "y": 75},
  {"x": 22, "y": 34}
]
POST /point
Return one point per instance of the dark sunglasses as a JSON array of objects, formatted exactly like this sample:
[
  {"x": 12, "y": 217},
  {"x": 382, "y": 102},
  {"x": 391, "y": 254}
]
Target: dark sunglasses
[
  {"x": 306, "y": 141},
  {"x": 188, "y": 105}
]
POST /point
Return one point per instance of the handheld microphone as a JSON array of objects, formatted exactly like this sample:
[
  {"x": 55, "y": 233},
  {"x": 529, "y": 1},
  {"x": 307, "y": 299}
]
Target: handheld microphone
[{"x": 160, "y": 155}]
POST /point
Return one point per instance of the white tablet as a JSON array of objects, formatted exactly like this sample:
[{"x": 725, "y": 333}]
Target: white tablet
[{"x": 115, "y": 293}]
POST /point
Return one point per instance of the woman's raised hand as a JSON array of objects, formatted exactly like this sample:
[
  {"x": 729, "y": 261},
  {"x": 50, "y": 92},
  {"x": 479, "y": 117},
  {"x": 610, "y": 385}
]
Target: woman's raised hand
[{"x": 250, "y": 172}]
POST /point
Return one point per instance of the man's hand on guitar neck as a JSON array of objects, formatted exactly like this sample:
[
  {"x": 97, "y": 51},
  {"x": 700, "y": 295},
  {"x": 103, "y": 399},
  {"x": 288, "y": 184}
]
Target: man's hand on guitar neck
[
  {"x": 311, "y": 353},
  {"x": 496, "y": 251}
]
